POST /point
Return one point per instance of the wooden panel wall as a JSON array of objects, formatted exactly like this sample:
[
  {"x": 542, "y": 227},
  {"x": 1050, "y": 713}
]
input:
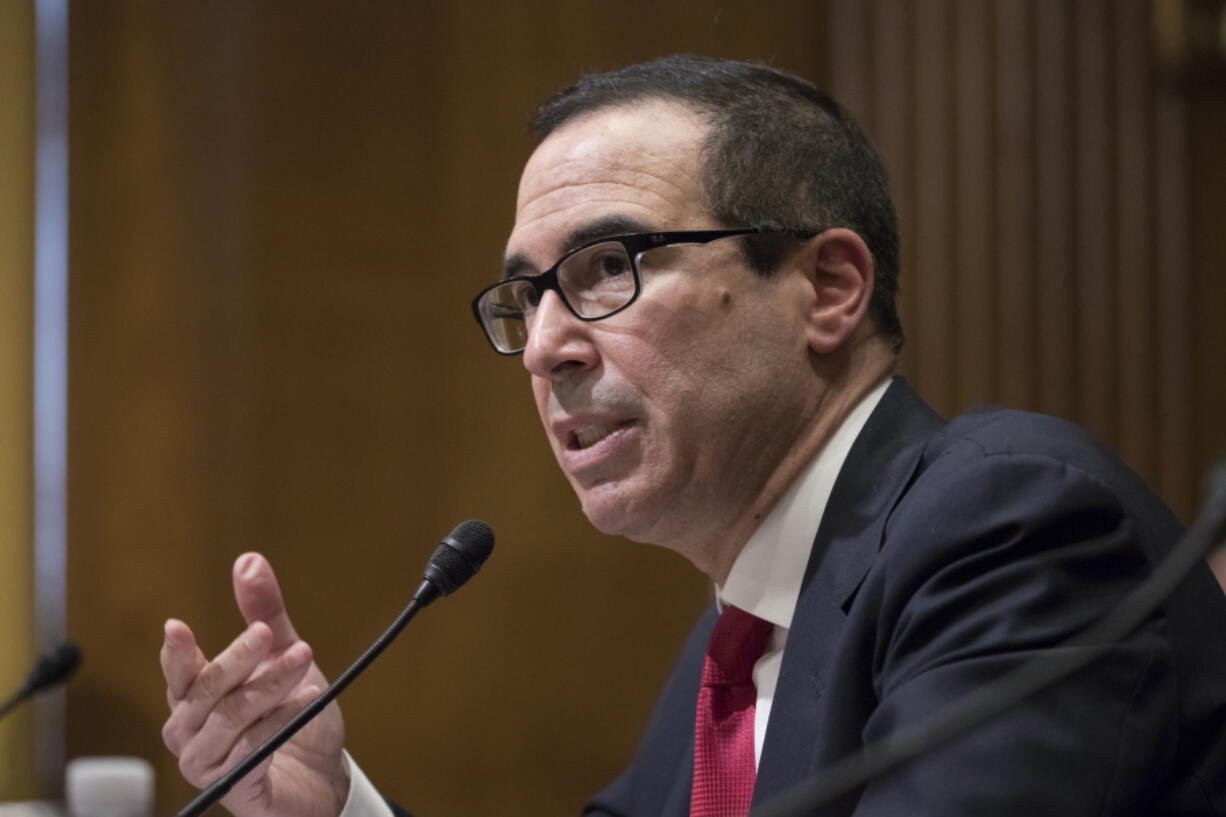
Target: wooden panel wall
[
  {"x": 16, "y": 389},
  {"x": 280, "y": 211},
  {"x": 1041, "y": 172}
]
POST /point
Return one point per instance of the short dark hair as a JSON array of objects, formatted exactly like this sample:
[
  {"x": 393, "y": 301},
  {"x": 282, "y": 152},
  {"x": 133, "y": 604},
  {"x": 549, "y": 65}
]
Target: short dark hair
[{"x": 779, "y": 154}]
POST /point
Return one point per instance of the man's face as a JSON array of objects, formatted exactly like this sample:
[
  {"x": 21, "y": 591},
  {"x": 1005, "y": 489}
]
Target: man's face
[{"x": 666, "y": 418}]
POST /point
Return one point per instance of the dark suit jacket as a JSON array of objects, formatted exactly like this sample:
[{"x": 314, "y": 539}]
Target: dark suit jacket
[{"x": 949, "y": 554}]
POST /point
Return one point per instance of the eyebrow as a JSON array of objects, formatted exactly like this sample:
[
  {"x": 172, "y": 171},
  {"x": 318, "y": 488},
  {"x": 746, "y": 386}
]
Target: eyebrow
[{"x": 607, "y": 227}]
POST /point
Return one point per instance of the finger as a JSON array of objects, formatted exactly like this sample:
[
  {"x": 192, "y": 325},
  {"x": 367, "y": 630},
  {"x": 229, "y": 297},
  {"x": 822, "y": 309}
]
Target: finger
[
  {"x": 245, "y": 709},
  {"x": 181, "y": 660},
  {"x": 252, "y": 701},
  {"x": 259, "y": 597},
  {"x": 254, "y": 737},
  {"x": 232, "y": 667}
]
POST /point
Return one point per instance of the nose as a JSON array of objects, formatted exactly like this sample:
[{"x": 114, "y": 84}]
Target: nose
[{"x": 557, "y": 341}]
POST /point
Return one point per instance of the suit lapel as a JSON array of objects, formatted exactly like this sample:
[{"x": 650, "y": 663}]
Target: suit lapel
[{"x": 878, "y": 468}]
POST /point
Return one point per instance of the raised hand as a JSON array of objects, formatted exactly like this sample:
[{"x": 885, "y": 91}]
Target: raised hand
[{"x": 220, "y": 710}]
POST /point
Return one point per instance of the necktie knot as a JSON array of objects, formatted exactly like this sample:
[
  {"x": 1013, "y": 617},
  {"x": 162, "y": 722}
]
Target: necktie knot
[{"x": 737, "y": 642}]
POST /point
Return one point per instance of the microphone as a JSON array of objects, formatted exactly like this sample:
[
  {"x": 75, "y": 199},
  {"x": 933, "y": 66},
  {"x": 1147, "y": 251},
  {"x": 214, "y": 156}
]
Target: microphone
[
  {"x": 456, "y": 560},
  {"x": 53, "y": 668}
]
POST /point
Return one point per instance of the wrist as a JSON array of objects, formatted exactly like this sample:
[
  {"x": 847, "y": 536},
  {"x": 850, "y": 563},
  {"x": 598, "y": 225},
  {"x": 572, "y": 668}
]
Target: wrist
[{"x": 340, "y": 783}]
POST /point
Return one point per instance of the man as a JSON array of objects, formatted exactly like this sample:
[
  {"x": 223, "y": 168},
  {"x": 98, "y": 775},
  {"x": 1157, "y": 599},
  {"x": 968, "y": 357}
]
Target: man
[{"x": 701, "y": 281}]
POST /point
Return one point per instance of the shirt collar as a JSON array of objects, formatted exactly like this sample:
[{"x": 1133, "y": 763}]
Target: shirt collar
[{"x": 766, "y": 576}]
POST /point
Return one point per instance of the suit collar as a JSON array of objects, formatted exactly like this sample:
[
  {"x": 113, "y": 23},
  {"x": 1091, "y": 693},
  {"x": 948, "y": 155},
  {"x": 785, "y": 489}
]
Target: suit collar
[
  {"x": 878, "y": 469},
  {"x": 766, "y": 578}
]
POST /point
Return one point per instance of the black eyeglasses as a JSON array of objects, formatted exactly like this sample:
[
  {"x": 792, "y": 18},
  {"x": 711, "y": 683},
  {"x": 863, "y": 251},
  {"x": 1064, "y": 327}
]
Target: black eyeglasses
[{"x": 594, "y": 281}]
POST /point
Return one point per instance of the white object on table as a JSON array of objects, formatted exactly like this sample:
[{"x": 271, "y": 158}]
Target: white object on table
[
  {"x": 109, "y": 787},
  {"x": 31, "y": 808}
]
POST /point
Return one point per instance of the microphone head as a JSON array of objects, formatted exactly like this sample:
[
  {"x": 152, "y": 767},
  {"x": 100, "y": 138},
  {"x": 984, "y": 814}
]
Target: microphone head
[
  {"x": 460, "y": 555},
  {"x": 53, "y": 668}
]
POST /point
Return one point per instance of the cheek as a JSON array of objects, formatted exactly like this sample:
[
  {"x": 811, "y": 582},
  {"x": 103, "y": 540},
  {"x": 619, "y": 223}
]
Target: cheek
[
  {"x": 540, "y": 396},
  {"x": 681, "y": 395},
  {"x": 540, "y": 392},
  {"x": 679, "y": 363}
]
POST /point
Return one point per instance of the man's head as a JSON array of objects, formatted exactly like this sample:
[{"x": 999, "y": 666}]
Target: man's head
[
  {"x": 779, "y": 153},
  {"x": 679, "y": 419}
]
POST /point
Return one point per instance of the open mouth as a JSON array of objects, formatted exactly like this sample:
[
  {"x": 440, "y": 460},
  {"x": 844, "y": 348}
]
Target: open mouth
[{"x": 587, "y": 437}]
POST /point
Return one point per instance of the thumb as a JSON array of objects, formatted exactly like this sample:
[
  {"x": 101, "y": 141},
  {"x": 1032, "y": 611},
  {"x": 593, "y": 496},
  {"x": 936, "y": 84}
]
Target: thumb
[{"x": 259, "y": 598}]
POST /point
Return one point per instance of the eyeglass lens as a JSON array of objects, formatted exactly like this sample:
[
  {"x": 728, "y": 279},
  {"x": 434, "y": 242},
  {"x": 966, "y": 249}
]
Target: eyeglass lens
[{"x": 595, "y": 281}]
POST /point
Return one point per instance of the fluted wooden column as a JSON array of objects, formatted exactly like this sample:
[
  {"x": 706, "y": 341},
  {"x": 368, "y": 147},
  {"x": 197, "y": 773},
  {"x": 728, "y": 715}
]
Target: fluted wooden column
[{"x": 1041, "y": 175}]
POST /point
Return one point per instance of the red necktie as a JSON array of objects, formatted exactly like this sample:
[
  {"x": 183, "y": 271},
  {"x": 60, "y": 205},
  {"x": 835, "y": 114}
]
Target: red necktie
[{"x": 724, "y": 768}]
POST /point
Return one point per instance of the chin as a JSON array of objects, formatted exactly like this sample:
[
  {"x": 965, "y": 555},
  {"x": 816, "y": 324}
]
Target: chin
[
  {"x": 613, "y": 511},
  {"x": 606, "y": 517}
]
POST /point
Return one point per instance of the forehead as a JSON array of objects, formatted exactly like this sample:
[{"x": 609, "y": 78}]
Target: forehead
[{"x": 638, "y": 163}]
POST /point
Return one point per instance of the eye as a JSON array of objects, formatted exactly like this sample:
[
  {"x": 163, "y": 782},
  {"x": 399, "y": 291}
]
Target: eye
[
  {"x": 612, "y": 264},
  {"x": 512, "y": 300},
  {"x": 499, "y": 311}
]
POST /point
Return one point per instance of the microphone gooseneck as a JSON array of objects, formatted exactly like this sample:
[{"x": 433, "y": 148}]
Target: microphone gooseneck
[
  {"x": 53, "y": 668},
  {"x": 456, "y": 560}
]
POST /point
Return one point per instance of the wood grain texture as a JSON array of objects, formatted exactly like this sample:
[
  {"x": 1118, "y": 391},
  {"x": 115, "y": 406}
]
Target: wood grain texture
[
  {"x": 1055, "y": 226},
  {"x": 1070, "y": 285},
  {"x": 280, "y": 213},
  {"x": 933, "y": 306},
  {"x": 1095, "y": 255},
  {"x": 1014, "y": 47},
  {"x": 1136, "y": 337},
  {"x": 974, "y": 172}
]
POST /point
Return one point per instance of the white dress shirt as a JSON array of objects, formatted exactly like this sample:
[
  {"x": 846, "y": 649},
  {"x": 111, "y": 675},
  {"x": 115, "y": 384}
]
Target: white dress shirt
[{"x": 764, "y": 580}]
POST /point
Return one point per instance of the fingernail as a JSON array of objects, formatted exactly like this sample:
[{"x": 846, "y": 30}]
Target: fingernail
[{"x": 247, "y": 564}]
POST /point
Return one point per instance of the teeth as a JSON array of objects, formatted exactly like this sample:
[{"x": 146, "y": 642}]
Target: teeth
[{"x": 588, "y": 437}]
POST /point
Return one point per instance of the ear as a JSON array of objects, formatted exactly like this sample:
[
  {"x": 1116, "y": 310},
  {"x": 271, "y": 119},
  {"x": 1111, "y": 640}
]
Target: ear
[{"x": 839, "y": 268}]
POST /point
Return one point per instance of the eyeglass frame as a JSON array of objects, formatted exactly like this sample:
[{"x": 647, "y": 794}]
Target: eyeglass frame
[{"x": 634, "y": 245}]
